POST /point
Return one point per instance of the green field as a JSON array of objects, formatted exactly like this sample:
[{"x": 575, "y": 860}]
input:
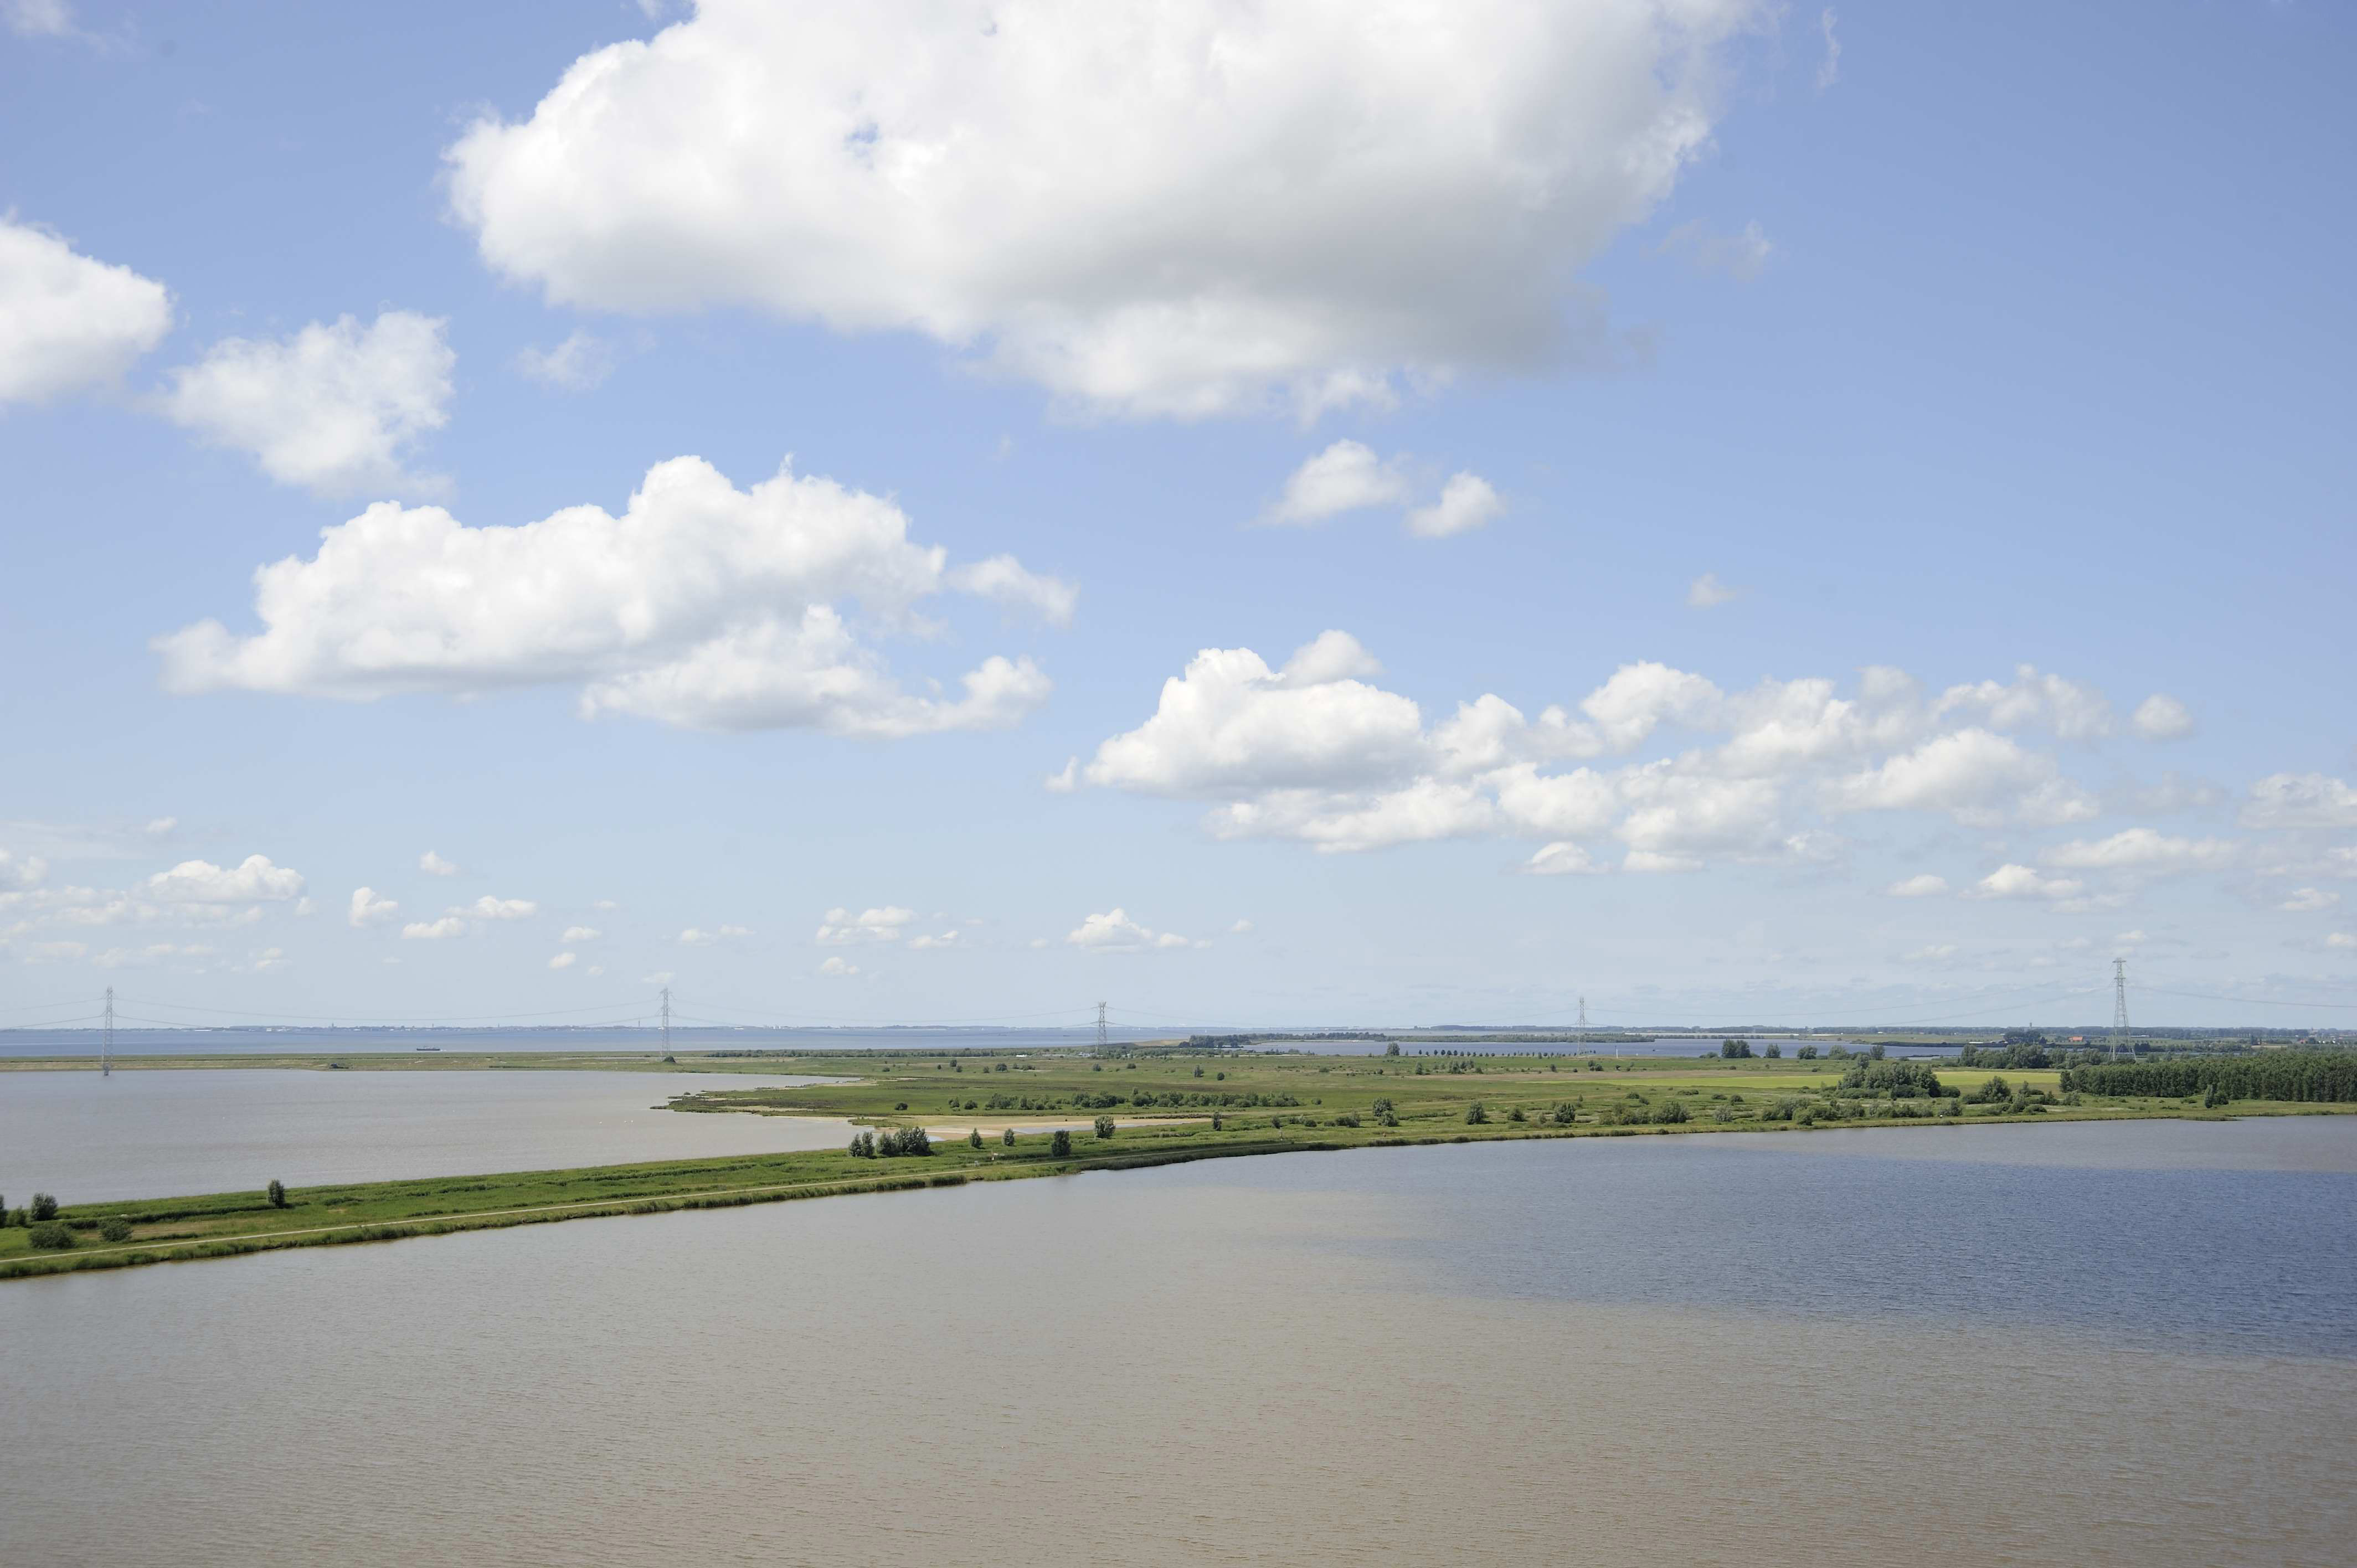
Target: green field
[{"x": 1263, "y": 1104}]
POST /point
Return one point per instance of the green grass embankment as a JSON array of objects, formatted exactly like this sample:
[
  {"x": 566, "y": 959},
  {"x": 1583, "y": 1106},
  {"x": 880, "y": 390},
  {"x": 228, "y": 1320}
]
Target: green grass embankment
[{"x": 1263, "y": 1104}]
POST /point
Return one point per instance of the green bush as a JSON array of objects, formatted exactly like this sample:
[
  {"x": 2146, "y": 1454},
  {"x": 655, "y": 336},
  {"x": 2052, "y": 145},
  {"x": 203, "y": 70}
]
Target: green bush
[
  {"x": 276, "y": 1193},
  {"x": 1104, "y": 1126},
  {"x": 1476, "y": 1114},
  {"x": 44, "y": 1207},
  {"x": 863, "y": 1145},
  {"x": 1061, "y": 1145},
  {"x": 904, "y": 1140},
  {"x": 973, "y": 1139},
  {"x": 115, "y": 1230},
  {"x": 52, "y": 1236},
  {"x": 1673, "y": 1112},
  {"x": 1008, "y": 1137},
  {"x": 1898, "y": 1081}
]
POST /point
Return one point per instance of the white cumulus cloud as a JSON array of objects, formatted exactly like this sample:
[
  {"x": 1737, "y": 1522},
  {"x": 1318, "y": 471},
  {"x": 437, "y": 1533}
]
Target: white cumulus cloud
[
  {"x": 878, "y": 925},
  {"x": 2309, "y": 900},
  {"x": 837, "y": 969},
  {"x": 1231, "y": 721},
  {"x": 1562, "y": 858},
  {"x": 702, "y": 606},
  {"x": 2141, "y": 849},
  {"x": 69, "y": 323},
  {"x": 581, "y": 934},
  {"x": 334, "y": 408},
  {"x": 1345, "y": 477},
  {"x": 580, "y": 364},
  {"x": 369, "y": 909},
  {"x": 488, "y": 907},
  {"x": 434, "y": 864},
  {"x": 1349, "y": 476},
  {"x": 2162, "y": 717},
  {"x": 202, "y": 882},
  {"x": 443, "y": 929},
  {"x": 1925, "y": 885},
  {"x": 1186, "y": 208},
  {"x": 1114, "y": 931},
  {"x": 2016, "y": 881},
  {"x": 564, "y": 960},
  {"x": 1466, "y": 502},
  {"x": 1317, "y": 752},
  {"x": 2301, "y": 800},
  {"x": 1706, "y": 592}
]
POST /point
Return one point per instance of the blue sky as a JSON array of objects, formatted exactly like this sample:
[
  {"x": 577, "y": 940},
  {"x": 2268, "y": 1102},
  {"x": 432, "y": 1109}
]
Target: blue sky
[{"x": 1996, "y": 338}]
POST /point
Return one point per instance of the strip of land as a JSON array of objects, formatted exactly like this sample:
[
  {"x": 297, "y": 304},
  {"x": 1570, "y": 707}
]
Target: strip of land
[{"x": 1159, "y": 1108}]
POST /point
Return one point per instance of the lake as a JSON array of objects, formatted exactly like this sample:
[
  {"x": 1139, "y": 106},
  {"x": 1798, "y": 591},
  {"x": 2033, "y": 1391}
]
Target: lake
[
  {"x": 171, "y": 1133},
  {"x": 2130, "y": 1344}
]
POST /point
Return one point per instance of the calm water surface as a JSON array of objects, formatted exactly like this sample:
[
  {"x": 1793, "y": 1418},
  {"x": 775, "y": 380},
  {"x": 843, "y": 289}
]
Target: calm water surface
[
  {"x": 168, "y": 1134},
  {"x": 1691, "y": 1350}
]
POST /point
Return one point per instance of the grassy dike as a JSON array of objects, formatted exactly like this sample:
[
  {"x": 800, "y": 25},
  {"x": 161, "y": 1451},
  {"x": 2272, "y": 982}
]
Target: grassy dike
[{"x": 1265, "y": 1104}]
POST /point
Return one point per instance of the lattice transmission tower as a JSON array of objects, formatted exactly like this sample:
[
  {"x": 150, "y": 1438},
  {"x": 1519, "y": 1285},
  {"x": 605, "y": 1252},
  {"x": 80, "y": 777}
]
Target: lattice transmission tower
[
  {"x": 2119, "y": 1003},
  {"x": 1100, "y": 1026}
]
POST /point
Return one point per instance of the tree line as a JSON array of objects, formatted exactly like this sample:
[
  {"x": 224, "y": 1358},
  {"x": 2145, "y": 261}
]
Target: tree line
[{"x": 2320, "y": 1077}]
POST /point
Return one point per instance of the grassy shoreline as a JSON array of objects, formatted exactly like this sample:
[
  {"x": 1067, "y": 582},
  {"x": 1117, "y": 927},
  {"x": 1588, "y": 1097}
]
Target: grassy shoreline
[{"x": 1206, "y": 1107}]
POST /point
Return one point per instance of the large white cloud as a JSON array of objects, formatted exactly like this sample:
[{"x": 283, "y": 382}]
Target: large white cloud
[
  {"x": 701, "y": 605},
  {"x": 67, "y": 322},
  {"x": 1962, "y": 771},
  {"x": 1317, "y": 752},
  {"x": 1182, "y": 208},
  {"x": 334, "y": 408},
  {"x": 1231, "y": 722}
]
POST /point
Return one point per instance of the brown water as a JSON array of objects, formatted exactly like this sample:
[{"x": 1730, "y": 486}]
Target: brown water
[
  {"x": 1420, "y": 1356},
  {"x": 169, "y": 1132}
]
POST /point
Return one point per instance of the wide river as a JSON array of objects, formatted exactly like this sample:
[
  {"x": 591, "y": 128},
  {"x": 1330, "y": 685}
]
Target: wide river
[
  {"x": 171, "y": 1134},
  {"x": 2130, "y": 1344}
]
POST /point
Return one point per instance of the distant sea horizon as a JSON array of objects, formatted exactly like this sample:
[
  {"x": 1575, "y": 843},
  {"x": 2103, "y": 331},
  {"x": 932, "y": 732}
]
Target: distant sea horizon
[{"x": 321, "y": 1039}]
